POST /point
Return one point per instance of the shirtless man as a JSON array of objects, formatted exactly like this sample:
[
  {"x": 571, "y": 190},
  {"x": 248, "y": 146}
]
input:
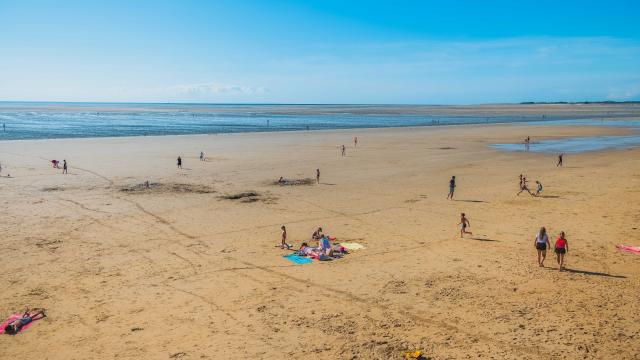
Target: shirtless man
[{"x": 464, "y": 224}]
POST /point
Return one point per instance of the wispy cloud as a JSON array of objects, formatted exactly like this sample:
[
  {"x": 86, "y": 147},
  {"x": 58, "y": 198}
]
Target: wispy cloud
[{"x": 212, "y": 89}]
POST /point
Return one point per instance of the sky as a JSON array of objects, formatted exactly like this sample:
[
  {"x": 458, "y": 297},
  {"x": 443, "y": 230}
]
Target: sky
[{"x": 324, "y": 51}]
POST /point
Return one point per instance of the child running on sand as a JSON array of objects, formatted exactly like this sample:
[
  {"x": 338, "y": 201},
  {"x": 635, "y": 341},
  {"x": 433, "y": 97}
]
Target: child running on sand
[
  {"x": 452, "y": 187},
  {"x": 464, "y": 223},
  {"x": 561, "y": 248},
  {"x": 538, "y": 188},
  {"x": 283, "y": 238},
  {"x": 14, "y": 327},
  {"x": 524, "y": 187},
  {"x": 541, "y": 244}
]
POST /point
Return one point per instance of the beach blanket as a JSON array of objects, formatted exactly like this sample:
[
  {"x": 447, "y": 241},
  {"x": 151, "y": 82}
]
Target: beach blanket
[
  {"x": 297, "y": 259},
  {"x": 352, "y": 246},
  {"x": 631, "y": 249},
  {"x": 13, "y": 318}
]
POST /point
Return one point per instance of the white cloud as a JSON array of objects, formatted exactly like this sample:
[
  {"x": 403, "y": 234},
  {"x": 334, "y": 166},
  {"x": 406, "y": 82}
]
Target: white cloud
[{"x": 212, "y": 90}]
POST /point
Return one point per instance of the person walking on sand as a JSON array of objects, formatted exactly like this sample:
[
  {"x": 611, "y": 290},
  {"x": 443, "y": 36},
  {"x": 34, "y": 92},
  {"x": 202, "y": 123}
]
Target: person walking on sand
[
  {"x": 355, "y": 141},
  {"x": 560, "y": 159},
  {"x": 179, "y": 162},
  {"x": 201, "y": 155},
  {"x": 64, "y": 167},
  {"x": 283, "y": 238},
  {"x": 561, "y": 249},
  {"x": 318, "y": 176},
  {"x": 344, "y": 150},
  {"x": 452, "y": 187},
  {"x": 541, "y": 244},
  {"x": 464, "y": 224}
]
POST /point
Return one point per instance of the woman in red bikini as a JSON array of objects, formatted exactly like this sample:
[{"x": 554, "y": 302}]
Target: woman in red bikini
[{"x": 561, "y": 248}]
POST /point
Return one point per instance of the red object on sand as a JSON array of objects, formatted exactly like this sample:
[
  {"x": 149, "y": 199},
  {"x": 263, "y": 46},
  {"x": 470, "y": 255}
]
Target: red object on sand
[{"x": 631, "y": 249}]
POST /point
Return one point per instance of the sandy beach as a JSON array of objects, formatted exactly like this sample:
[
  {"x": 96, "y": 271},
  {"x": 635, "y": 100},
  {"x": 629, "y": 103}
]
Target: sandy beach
[{"x": 178, "y": 271}]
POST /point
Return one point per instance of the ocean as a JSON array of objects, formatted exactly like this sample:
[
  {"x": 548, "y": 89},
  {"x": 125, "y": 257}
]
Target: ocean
[{"x": 40, "y": 120}]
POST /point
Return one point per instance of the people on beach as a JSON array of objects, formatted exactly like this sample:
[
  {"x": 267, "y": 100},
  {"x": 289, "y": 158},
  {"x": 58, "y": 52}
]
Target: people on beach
[
  {"x": 541, "y": 244},
  {"x": 55, "y": 164},
  {"x": 201, "y": 155},
  {"x": 283, "y": 238},
  {"x": 452, "y": 187},
  {"x": 561, "y": 249},
  {"x": 524, "y": 187},
  {"x": 318, "y": 176},
  {"x": 64, "y": 166},
  {"x": 324, "y": 245},
  {"x": 281, "y": 180},
  {"x": 317, "y": 234},
  {"x": 179, "y": 162},
  {"x": 560, "y": 159},
  {"x": 355, "y": 141},
  {"x": 527, "y": 141},
  {"x": 344, "y": 150},
  {"x": 464, "y": 224},
  {"x": 14, "y": 327},
  {"x": 538, "y": 188}
]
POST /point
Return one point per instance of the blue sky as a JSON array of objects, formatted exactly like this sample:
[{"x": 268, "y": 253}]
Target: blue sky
[{"x": 426, "y": 52}]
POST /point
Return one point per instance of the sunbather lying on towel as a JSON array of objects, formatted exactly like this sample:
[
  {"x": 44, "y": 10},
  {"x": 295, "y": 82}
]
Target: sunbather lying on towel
[{"x": 14, "y": 327}]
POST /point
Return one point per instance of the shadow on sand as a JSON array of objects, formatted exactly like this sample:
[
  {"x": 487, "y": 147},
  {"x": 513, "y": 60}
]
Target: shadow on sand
[
  {"x": 549, "y": 196},
  {"x": 473, "y": 201},
  {"x": 584, "y": 272},
  {"x": 482, "y": 239}
]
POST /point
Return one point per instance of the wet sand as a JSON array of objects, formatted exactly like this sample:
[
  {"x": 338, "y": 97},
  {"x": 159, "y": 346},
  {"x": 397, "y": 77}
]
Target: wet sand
[{"x": 178, "y": 271}]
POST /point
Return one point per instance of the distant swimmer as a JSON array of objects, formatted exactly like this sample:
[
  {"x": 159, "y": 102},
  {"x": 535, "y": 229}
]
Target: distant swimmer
[
  {"x": 64, "y": 166},
  {"x": 179, "y": 162},
  {"x": 560, "y": 159},
  {"x": 538, "y": 188},
  {"x": 344, "y": 150},
  {"x": 283, "y": 238},
  {"x": 561, "y": 249},
  {"x": 464, "y": 224},
  {"x": 452, "y": 187},
  {"x": 318, "y": 176},
  {"x": 541, "y": 244}
]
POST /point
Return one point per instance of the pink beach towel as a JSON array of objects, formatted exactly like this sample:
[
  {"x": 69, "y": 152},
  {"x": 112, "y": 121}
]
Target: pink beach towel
[
  {"x": 13, "y": 318},
  {"x": 631, "y": 249}
]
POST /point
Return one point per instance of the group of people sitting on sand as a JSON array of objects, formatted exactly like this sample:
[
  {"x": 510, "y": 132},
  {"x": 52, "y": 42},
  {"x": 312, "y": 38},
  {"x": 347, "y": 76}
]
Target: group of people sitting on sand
[
  {"x": 322, "y": 251},
  {"x": 561, "y": 247}
]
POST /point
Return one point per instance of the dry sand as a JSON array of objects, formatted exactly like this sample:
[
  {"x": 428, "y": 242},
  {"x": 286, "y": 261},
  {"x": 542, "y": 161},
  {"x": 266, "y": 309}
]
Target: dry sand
[{"x": 179, "y": 272}]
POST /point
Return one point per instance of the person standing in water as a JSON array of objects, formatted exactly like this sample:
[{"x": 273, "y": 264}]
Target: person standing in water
[
  {"x": 318, "y": 176},
  {"x": 541, "y": 244},
  {"x": 560, "y": 159},
  {"x": 561, "y": 249},
  {"x": 452, "y": 187},
  {"x": 464, "y": 224},
  {"x": 64, "y": 166},
  {"x": 283, "y": 238},
  {"x": 179, "y": 162}
]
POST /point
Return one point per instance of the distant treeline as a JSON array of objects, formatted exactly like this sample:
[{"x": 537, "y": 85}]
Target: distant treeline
[{"x": 578, "y": 102}]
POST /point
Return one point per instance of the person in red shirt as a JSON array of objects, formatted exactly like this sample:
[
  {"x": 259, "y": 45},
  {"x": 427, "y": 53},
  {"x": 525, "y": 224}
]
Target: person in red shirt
[{"x": 561, "y": 249}]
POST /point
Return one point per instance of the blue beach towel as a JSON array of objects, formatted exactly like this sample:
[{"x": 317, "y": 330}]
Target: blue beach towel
[{"x": 297, "y": 259}]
